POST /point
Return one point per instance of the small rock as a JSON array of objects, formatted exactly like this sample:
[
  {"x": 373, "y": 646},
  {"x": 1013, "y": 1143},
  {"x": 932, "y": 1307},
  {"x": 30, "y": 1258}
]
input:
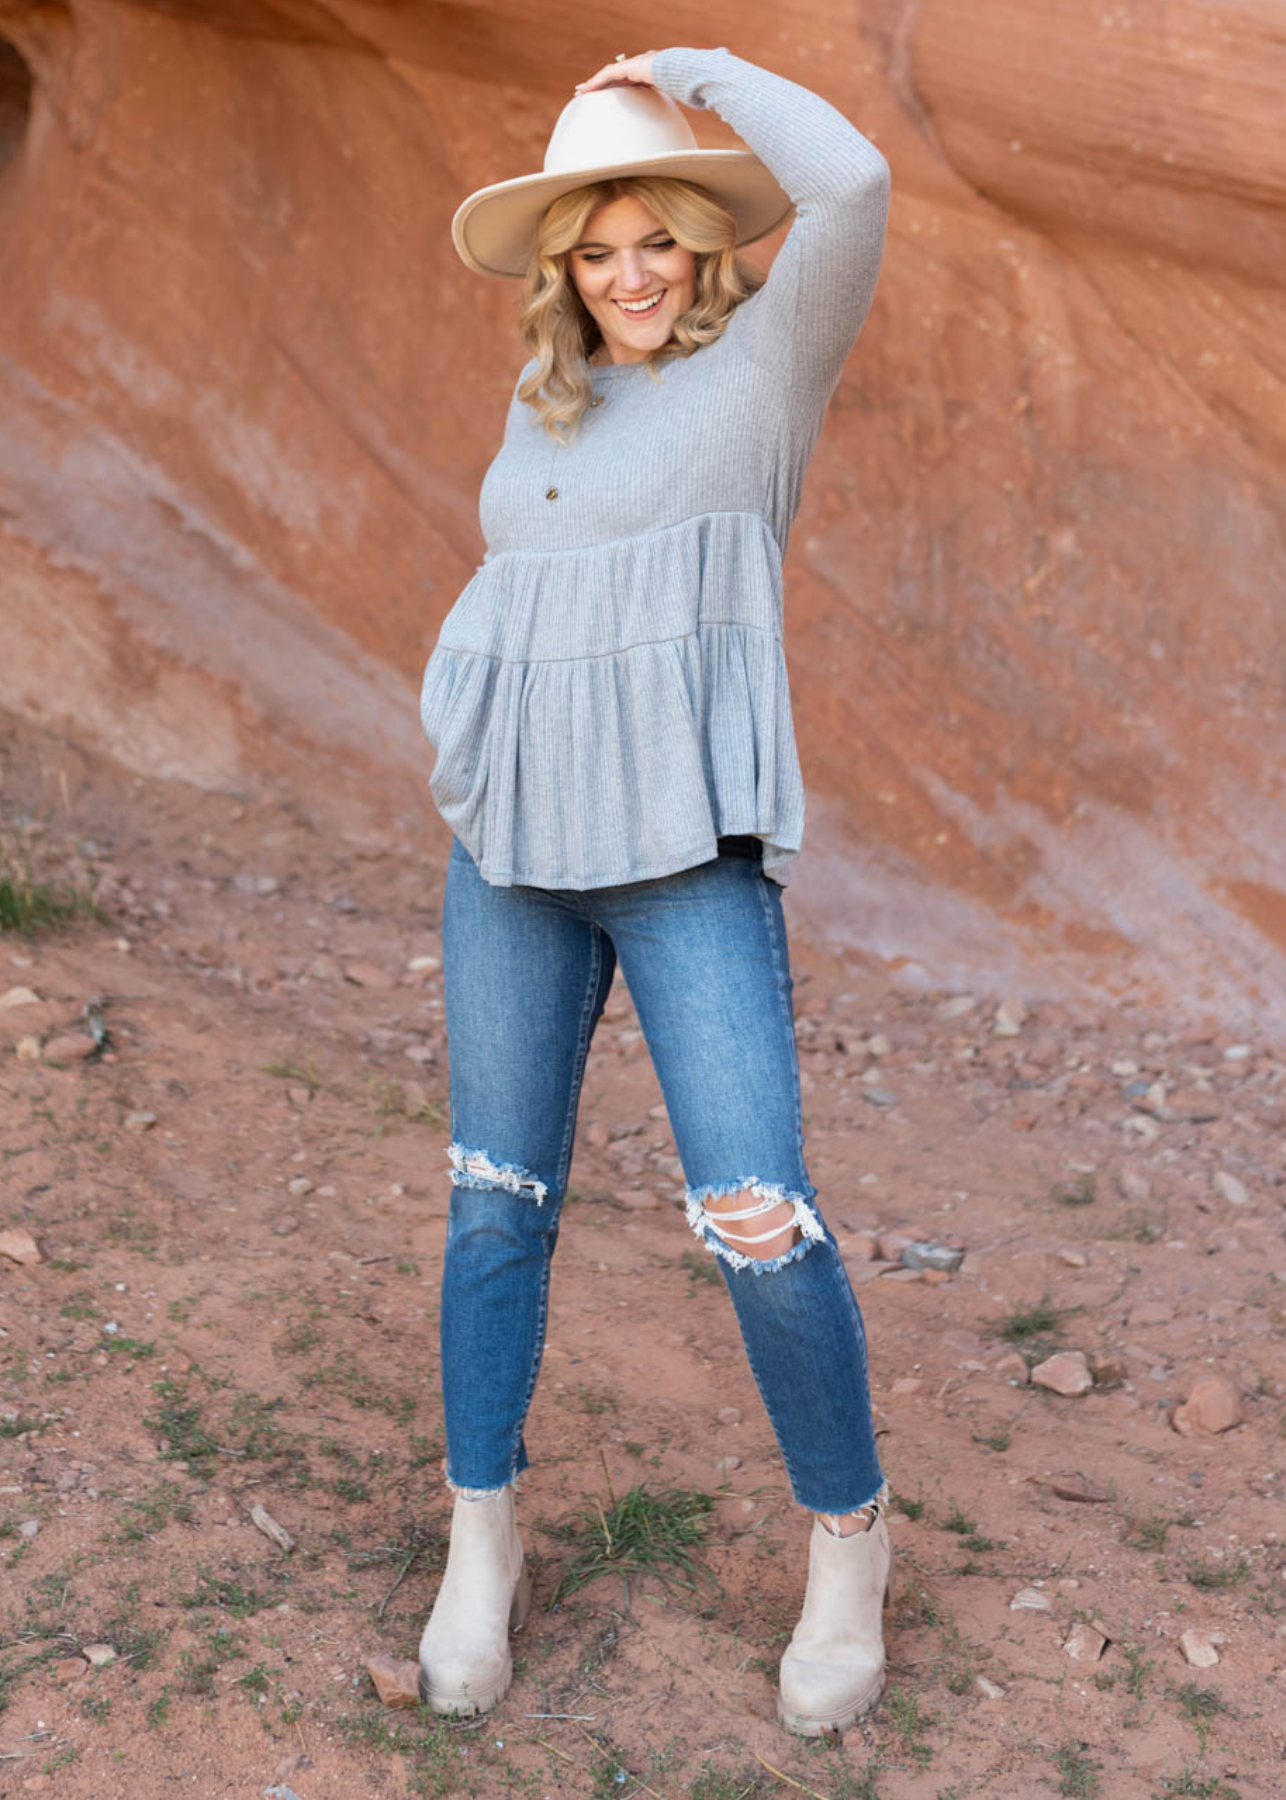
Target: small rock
[
  {"x": 862, "y": 1244},
  {"x": 18, "y": 996},
  {"x": 729, "y": 1415},
  {"x": 957, "y": 1006},
  {"x": 1212, "y": 1406},
  {"x": 889, "y": 1245},
  {"x": 906, "y": 1384},
  {"x": 879, "y": 1096},
  {"x": 988, "y": 1689},
  {"x": 936, "y": 1277},
  {"x": 70, "y": 1047},
  {"x": 1237, "y": 1053},
  {"x": 68, "y": 1669},
  {"x": 726, "y": 1465},
  {"x": 1229, "y": 1188},
  {"x": 637, "y": 1200},
  {"x": 98, "y": 1655},
  {"x": 324, "y": 968},
  {"x": 140, "y": 1121},
  {"x": 247, "y": 883},
  {"x": 1085, "y": 1643},
  {"x": 263, "y": 1521},
  {"x": 298, "y": 1186},
  {"x": 19, "y": 1246},
  {"x": 1073, "y": 1259},
  {"x": 27, "y": 1049},
  {"x": 396, "y": 1682},
  {"x": 1067, "y": 1373},
  {"x": 879, "y": 1045},
  {"x": 1011, "y": 1016},
  {"x": 283, "y": 1226},
  {"x": 1030, "y": 1599},
  {"x": 596, "y": 1134},
  {"x": 419, "y": 965},
  {"x": 1012, "y": 1367},
  {"x": 922, "y": 1255},
  {"x": 29, "y": 1528},
  {"x": 1198, "y": 1650},
  {"x": 1079, "y": 1487},
  {"x": 367, "y": 975}
]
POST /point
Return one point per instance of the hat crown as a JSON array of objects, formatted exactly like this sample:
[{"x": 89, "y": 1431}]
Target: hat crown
[{"x": 616, "y": 124}]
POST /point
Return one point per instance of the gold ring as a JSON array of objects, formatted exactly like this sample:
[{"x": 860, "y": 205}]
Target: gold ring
[{"x": 620, "y": 57}]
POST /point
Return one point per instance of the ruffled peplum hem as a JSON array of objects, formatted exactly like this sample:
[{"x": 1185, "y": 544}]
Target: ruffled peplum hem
[
  {"x": 591, "y": 772},
  {"x": 603, "y": 712}
]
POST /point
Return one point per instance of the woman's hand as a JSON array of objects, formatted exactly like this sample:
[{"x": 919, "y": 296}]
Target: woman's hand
[{"x": 635, "y": 70}]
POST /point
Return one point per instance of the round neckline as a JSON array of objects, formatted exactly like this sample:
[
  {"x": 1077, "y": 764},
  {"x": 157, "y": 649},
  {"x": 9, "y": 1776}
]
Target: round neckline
[{"x": 612, "y": 370}]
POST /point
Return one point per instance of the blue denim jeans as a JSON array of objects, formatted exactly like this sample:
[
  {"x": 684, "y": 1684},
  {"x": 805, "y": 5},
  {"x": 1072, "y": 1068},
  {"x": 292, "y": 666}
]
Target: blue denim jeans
[{"x": 527, "y": 973}]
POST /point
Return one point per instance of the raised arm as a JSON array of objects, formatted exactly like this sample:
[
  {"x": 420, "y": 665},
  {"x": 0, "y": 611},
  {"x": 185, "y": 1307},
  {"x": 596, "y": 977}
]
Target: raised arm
[{"x": 804, "y": 321}]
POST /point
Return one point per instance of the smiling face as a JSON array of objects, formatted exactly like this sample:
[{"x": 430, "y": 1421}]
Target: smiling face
[{"x": 634, "y": 280}]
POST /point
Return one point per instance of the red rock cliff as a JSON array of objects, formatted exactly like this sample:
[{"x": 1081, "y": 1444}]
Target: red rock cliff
[{"x": 1036, "y": 590}]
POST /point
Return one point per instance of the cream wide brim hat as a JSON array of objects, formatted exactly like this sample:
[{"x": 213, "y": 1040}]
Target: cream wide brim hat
[{"x": 612, "y": 132}]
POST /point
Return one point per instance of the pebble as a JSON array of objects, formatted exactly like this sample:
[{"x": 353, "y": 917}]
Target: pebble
[
  {"x": 19, "y": 1246},
  {"x": 418, "y": 965},
  {"x": 367, "y": 975},
  {"x": 889, "y": 1245},
  {"x": 906, "y": 1384},
  {"x": 140, "y": 1121},
  {"x": 284, "y": 1225},
  {"x": 596, "y": 1134},
  {"x": 1085, "y": 1643},
  {"x": 1198, "y": 1650},
  {"x": 1134, "y": 1185},
  {"x": 27, "y": 1049},
  {"x": 1211, "y": 1407},
  {"x": 1030, "y": 1600},
  {"x": 18, "y": 996},
  {"x": 1073, "y": 1259},
  {"x": 879, "y": 1045},
  {"x": 98, "y": 1655},
  {"x": 726, "y": 1465},
  {"x": 29, "y": 1528},
  {"x": 957, "y": 1006},
  {"x": 70, "y": 1047},
  {"x": 298, "y": 1186},
  {"x": 878, "y": 1096},
  {"x": 988, "y": 1689},
  {"x": 1230, "y": 1189},
  {"x": 729, "y": 1415},
  {"x": 1011, "y": 1016},
  {"x": 397, "y": 1682},
  {"x": 1066, "y": 1373},
  {"x": 1012, "y": 1368},
  {"x": 246, "y": 883},
  {"x": 1080, "y": 1488},
  {"x": 262, "y": 1520},
  {"x": 923, "y": 1255}
]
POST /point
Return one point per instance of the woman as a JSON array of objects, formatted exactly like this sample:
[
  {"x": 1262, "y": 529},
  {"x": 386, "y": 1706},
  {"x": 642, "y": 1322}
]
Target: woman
[{"x": 616, "y": 759}]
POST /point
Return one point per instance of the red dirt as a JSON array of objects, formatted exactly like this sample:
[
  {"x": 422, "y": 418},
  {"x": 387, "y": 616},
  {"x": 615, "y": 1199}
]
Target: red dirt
[{"x": 302, "y": 1330}]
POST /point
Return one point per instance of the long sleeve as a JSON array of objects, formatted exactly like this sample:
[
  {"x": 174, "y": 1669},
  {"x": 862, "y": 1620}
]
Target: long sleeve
[{"x": 802, "y": 324}]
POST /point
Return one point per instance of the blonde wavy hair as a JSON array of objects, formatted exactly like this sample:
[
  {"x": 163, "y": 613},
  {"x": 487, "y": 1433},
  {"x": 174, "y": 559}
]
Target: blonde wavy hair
[{"x": 559, "y": 330}]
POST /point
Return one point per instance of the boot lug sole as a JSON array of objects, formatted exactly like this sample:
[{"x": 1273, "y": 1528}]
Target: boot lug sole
[{"x": 833, "y": 1723}]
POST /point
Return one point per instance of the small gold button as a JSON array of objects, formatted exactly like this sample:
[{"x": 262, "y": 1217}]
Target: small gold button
[
  {"x": 551, "y": 493},
  {"x": 597, "y": 400}
]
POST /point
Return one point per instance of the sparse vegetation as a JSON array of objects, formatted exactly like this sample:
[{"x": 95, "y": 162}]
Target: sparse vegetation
[
  {"x": 645, "y": 1531},
  {"x": 1078, "y": 1773}
]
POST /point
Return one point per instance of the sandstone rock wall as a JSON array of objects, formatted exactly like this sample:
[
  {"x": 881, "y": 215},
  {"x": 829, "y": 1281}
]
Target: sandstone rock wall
[{"x": 1036, "y": 590}]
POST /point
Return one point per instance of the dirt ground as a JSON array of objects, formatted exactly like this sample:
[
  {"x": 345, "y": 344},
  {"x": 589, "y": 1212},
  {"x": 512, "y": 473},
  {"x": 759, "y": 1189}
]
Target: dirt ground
[{"x": 239, "y": 1199}]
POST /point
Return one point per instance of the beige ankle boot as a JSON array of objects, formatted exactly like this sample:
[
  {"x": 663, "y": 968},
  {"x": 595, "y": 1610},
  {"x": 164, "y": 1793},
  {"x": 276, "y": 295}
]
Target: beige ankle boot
[
  {"x": 833, "y": 1671},
  {"x": 465, "y": 1665}
]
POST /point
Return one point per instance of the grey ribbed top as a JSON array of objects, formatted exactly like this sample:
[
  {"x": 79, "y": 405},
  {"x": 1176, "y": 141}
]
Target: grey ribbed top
[{"x": 608, "y": 695}]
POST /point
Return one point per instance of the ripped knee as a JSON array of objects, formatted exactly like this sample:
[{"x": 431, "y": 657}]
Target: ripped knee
[
  {"x": 475, "y": 1169},
  {"x": 753, "y": 1224}
]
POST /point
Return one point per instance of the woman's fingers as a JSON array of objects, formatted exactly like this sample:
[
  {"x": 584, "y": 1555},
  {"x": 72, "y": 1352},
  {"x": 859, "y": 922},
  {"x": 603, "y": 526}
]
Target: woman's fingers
[{"x": 635, "y": 69}]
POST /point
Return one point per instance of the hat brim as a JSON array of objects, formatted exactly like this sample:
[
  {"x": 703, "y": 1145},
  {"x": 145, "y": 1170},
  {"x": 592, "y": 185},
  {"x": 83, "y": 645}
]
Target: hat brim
[{"x": 494, "y": 230}]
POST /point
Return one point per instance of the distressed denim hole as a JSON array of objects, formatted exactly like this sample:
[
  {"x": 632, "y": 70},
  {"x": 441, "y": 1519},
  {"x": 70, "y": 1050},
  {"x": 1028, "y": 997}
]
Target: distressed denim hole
[
  {"x": 475, "y": 1169},
  {"x": 722, "y": 1231}
]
